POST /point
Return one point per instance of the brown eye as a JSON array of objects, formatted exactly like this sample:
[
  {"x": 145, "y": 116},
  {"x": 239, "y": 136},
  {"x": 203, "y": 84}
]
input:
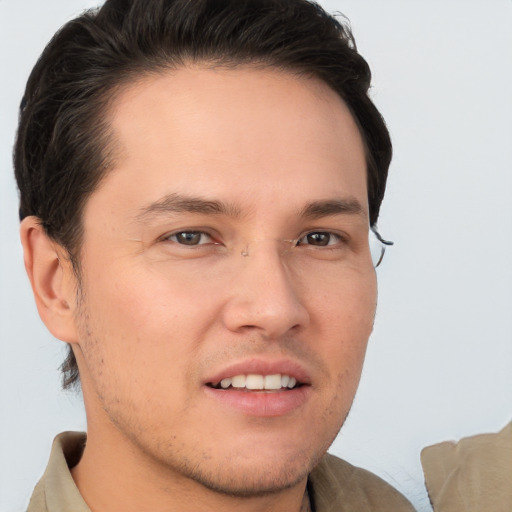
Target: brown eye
[{"x": 319, "y": 239}]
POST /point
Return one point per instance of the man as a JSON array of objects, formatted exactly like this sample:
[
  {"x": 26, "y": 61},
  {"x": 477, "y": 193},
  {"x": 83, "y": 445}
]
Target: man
[{"x": 197, "y": 185}]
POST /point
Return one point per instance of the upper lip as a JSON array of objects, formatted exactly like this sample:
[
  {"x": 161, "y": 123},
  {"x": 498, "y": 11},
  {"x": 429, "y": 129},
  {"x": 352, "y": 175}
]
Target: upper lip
[{"x": 260, "y": 366}]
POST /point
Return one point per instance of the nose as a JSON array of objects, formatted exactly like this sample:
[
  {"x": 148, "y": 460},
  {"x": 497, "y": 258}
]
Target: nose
[{"x": 264, "y": 297}]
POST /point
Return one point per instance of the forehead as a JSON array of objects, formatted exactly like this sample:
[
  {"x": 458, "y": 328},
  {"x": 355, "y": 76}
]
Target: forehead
[{"x": 257, "y": 134}]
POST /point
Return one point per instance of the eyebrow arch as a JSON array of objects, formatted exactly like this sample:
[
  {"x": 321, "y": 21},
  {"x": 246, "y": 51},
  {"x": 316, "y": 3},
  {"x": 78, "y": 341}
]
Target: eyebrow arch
[
  {"x": 326, "y": 208},
  {"x": 176, "y": 203}
]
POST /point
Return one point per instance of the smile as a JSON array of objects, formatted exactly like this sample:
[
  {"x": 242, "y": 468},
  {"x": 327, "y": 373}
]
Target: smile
[
  {"x": 261, "y": 387},
  {"x": 257, "y": 382}
]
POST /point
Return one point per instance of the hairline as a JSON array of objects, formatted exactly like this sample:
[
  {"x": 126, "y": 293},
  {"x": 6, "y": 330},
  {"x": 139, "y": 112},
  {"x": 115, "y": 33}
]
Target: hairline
[{"x": 110, "y": 147}]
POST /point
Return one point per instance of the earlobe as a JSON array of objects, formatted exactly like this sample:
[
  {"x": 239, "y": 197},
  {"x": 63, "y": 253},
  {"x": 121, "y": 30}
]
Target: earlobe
[{"x": 52, "y": 278}]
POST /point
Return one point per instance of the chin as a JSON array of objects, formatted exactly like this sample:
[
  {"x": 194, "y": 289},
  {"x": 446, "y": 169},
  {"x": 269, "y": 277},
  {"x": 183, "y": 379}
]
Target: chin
[
  {"x": 260, "y": 471},
  {"x": 254, "y": 482}
]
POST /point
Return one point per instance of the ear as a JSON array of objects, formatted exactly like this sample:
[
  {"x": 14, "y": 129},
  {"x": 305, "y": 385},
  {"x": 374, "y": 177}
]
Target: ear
[{"x": 53, "y": 280}]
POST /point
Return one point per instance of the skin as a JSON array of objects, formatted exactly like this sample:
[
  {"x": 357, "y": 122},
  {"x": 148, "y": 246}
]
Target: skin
[{"x": 155, "y": 320}]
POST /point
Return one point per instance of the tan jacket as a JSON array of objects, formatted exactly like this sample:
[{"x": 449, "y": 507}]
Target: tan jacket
[
  {"x": 473, "y": 475},
  {"x": 334, "y": 485}
]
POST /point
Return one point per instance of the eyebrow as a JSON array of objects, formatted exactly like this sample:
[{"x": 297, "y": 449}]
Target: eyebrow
[
  {"x": 326, "y": 208},
  {"x": 176, "y": 203}
]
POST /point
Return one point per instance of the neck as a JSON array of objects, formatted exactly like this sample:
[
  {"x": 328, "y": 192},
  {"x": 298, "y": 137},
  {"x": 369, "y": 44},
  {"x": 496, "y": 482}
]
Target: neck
[{"x": 306, "y": 502}]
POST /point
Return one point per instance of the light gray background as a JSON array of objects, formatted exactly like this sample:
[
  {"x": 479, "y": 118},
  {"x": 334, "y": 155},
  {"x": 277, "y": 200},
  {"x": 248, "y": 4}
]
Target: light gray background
[{"x": 439, "y": 362}]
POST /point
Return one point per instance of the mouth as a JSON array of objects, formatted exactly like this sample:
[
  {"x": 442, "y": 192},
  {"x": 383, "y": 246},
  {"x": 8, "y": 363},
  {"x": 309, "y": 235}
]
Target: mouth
[
  {"x": 257, "y": 382},
  {"x": 261, "y": 387}
]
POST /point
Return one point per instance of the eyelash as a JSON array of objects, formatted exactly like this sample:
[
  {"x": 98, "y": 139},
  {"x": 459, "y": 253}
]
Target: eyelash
[
  {"x": 340, "y": 239},
  {"x": 191, "y": 232}
]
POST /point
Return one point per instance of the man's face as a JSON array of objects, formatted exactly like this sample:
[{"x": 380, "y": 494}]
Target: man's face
[{"x": 187, "y": 278}]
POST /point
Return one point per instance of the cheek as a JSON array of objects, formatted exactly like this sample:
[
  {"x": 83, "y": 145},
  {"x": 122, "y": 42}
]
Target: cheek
[
  {"x": 141, "y": 330},
  {"x": 344, "y": 318},
  {"x": 347, "y": 305},
  {"x": 147, "y": 304}
]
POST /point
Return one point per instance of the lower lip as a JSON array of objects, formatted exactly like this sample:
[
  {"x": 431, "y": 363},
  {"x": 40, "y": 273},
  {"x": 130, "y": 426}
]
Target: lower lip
[{"x": 261, "y": 403}]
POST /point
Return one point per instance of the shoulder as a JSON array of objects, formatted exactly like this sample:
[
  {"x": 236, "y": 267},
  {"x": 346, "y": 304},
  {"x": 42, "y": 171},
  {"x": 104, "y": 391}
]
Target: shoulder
[
  {"x": 56, "y": 489},
  {"x": 338, "y": 486},
  {"x": 475, "y": 473}
]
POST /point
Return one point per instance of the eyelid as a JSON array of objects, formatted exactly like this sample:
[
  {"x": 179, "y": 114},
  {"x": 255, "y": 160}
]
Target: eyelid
[
  {"x": 342, "y": 237},
  {"x": 202, "y": 231}
]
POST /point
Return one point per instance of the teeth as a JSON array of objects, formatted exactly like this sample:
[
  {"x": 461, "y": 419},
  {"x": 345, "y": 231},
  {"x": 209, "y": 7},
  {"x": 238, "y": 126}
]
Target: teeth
[
  {"x": 225, "y": 383},
  {"x": 273, "y": 382},
  {"x": 258, "y": 382},
  {"x": 255, "y": 382},
  {"x": 238, "y": 381}
]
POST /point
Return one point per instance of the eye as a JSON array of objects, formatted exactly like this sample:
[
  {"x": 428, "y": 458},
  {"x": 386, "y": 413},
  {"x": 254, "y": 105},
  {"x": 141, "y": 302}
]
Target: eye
[
  {"x": 190, "y": 238},
  {"x": 320, "y": 239}
]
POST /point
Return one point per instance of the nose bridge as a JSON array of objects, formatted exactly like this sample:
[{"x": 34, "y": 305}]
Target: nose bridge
[
  {"x": 258, "y": 247},
  {"x": 264, "y": 295}
]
